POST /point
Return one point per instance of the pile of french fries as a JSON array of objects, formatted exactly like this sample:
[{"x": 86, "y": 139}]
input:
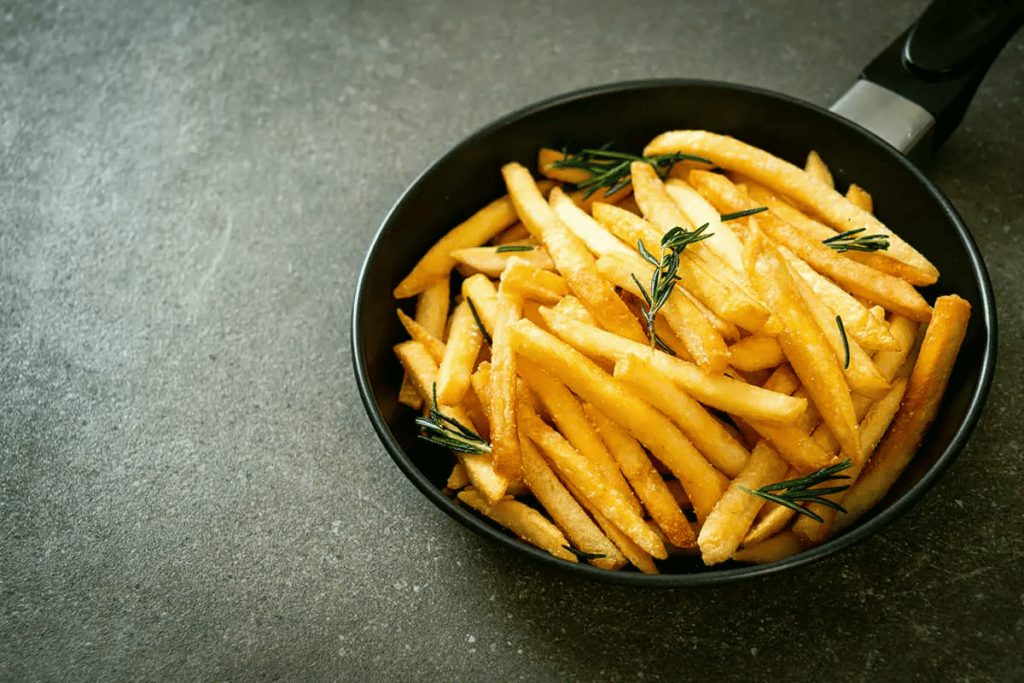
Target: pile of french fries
[{"x": 777, "y": 355}]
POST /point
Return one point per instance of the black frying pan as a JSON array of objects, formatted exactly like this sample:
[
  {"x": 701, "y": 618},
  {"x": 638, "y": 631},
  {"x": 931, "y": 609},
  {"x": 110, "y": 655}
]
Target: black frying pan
[{"x": 937, "y": 86}]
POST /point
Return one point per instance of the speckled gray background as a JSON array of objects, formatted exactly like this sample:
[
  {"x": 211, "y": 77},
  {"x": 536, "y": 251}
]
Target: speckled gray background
[{"x": 189, "y": 489}]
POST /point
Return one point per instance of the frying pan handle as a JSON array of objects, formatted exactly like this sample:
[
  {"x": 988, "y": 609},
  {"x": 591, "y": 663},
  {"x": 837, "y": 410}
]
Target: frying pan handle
[{"x": 915, "y": 93}]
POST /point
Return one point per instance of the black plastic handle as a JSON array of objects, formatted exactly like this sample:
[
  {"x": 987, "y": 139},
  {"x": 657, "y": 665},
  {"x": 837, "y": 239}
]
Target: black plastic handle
[{"x": 939, "y": 62}]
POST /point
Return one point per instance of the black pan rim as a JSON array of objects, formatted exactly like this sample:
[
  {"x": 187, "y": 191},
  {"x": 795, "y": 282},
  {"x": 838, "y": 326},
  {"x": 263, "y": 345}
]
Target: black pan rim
[{"x": 867, "y": 527}]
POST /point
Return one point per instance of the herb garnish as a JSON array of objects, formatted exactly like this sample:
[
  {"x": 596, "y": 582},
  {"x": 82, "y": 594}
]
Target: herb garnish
[
  {"x": 450, "y": 433},
  {"x": 846, "y": 342},
  {"x": 584, "y": 555},
  {"x": 664, "y": 277},
  {"x": 479, "y": 323},
  {"x": 611, "y": 169},
  {"x": 852, "y": 240},
  {"x": 506, "y": 248},
  {"x": 741, "y": 214},
  {"x": 796, "y": 491}
]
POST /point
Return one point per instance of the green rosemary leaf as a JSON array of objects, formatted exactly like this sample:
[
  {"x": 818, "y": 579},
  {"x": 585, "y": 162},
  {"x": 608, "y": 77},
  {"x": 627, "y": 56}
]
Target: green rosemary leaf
[
  {"x": 664, "y": 277},
  {"x": 796, "y": 491},
  {"x": 479, "y": 323},
  {"x": 846, "y": 342},
  {"x": 784, "y": 502},
  {"x": 610, "y": 169},
  {"x": 450, "y": 433},
  {"x": 741, "y": 214},
  {"x": 852, "y": 240},
  {"x": 507, "y": 248},
  {"x": 584, "y": 555}
]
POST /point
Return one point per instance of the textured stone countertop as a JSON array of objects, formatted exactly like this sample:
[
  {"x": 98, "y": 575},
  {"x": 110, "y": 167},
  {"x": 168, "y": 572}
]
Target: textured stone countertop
[{"x": 189, "y": 487}]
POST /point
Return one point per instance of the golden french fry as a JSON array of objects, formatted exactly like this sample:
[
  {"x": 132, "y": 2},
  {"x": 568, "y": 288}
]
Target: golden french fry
[
  {"x": 790, "y": 180},
  {"x": 920, "y": 405},
  {"x": 565, "y": 511},
  {"x": 599, "y": 241},
  {"x": 407, "y": 394},
  {"x": 491, "y": 261},
  {"x": 892, "y": 293},
  {"x": 773, "y": 549},
  {"x": 803, "y": 342},
  {"x": 717, "y": 391},
  {"x": 502, "y": 387},
  {"x": 569, "y": 418},
  {"x": 474, "y": 408},
  {"x": 420, "y": 367},
  {"x": 458, "y": 479},
  {"x": 512, "y": 235},
  {"x": 730, "y": 333},
  {"x": 816, "y": 168},
  {"x": 432, "y": 307},
  {"x": 591, "y": 483},
  {"x": 570, "y": 255},
  {"x": 731, "y": 517},
  {"x": 904, "y": 331},
  {"x": 756, "y": 353},
  {"x": 571, "y": 307},
  {"x": 704, "y": 484},
  {"x": 533, "y": 283},
  {"x": 482, "y": 294},
  {"x": 860, "y": 198},
  {"x": 481, "y": 383},
  {"x": 725, "y": 243},
  {"x": 521, "y": 519},
  {"x": 438, "y": 262},
  {"x": 419, "y": 333},
  {"x": 653, "y": 491},
  {"x": 655, "y": 203},
  {"x": 464, "y": 341},
  {"x": 709, "y": 436}
]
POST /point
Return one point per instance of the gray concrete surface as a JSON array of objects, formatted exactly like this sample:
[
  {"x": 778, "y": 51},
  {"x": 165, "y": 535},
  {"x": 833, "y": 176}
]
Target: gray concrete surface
[{"x": 189, "y": 489}]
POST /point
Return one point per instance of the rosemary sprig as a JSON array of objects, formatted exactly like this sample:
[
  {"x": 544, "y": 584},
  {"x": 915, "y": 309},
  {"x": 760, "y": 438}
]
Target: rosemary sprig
[
  {"x": 611, "y": 169},
  {"x": 506, "y": 248},
  {"x": 846, "y": 342},
  {"x": 450, "y": 433},
  {"x": 745, "y": 212},
  {"x": 664, "y": 278},
  {"x": 479, "y": 323},
  {"x": 852, "y": 240},
  {"x": 583, "y": 555},
  {"x": 796, "y": 491}
]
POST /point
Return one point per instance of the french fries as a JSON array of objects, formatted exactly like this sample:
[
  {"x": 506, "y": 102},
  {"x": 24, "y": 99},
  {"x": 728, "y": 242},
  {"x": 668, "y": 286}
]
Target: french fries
[
  {"x": 613, "y": 396},
  {"x": 790, "y": 180}
]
